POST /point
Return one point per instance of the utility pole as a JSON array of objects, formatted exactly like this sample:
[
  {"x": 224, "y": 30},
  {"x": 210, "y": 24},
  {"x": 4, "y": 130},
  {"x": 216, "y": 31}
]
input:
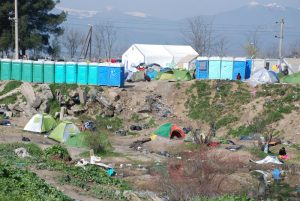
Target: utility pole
[
  {"x": 16, "y": 31},
  {"x": 280, "y": 37}
]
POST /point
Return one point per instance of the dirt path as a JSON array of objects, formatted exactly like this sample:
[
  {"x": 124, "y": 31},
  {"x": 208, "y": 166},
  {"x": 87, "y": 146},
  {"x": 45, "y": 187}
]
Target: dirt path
[{"x": 51, "y": 178}]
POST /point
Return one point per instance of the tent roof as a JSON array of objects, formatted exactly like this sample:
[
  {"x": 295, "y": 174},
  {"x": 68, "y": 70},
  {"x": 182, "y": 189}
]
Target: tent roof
[
  {"x": 187, "y": 59},
  {"x": 293, "y": 64},
  {"x": 153, "y": 50}
]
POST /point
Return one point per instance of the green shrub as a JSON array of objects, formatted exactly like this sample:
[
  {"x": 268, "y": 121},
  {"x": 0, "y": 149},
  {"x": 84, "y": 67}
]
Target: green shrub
[
  {"x": 103, "y": 123},
  {"x": 63, "y": 88},
  {"x": 9, "y": 100},
  {"x": 10, "y": 86},
  {"x": 58, "y": 152},
  {"x": 224, "y": 121},
  {"x": 54, "y": 106},
  {"x": 98, "y": 141}
]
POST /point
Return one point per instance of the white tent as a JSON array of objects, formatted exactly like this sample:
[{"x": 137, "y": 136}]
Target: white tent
[
  {"x": 40, "y": 123},
  {"x": 293, "y": 65},
  {"x": 164, "y": 55},
  {"x": 263, "y": 76}
]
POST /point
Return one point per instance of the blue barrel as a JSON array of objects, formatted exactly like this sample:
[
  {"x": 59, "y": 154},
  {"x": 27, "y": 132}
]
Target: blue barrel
[
  {"x": 249, "y": 64},
  {"x": 103, "y": 74},
  {"x": 202, "y": 68},
  {"x": 226, "y": 68},
  {"x": 38, "y": 71},
  {"x": 116, "y": 75},
  {"x": 27, "y": 68},
  {"x": 16, "y": 70},
  {"x": 71, "y": 73},
  {"x": 82, "y": 73},
  {"x": 93, "y": 74},
  {"x": 214, "y": 71},
  {"x": 5, "y": 69},
  {"x": 239, "y": 67},
  {"x": 49, "y": 72},
  {"x": 60, "y": 72}
]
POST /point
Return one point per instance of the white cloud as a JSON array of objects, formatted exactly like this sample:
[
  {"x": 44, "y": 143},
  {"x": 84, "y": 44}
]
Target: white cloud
[
  {"x": 80, "y": 13},
  {"x": 274, "y": 5},
  {"x": 137, "y": 14}
]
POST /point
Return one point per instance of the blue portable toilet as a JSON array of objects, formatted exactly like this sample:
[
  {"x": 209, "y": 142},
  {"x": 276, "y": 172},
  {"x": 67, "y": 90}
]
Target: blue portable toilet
[
  {"x": 60, "y": 72},
  {"x": 93, "y": 74},
  {"x": 202, "y": 68},
  {"x": 226, "y": 68},
  {"x": 214, "y": 68},
  {"x": 103, "y": 75},
  {"x": 82, "y": 73},
  {"x": 5, "y": 69},
  {"x": 116, "y": 75},
  {"x": 71, "y": 73},
  {"x": 239, "y": 67},
  {"x": 249, "y": 63}
]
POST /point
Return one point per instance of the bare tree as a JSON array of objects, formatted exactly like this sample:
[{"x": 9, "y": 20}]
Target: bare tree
[
  {"x": 252, "y": 44},
  {"x": 295, "y": 50},
  {"x": 199, "y": 35},
  {"x": 72, "y": 40},
  {"x": 106, "y": 36},
  {"x": 221, "y": 47}
]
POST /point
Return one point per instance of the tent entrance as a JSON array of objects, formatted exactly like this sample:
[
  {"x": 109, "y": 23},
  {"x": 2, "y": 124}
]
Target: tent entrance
[{"x": 176, "y": 134}]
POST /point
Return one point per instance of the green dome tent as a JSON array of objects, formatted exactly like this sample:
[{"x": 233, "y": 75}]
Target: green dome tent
[
  {"x": 64, "y": 131},
  {"x": 169, "y": 130},
  {"x": 40, "y": 123}
]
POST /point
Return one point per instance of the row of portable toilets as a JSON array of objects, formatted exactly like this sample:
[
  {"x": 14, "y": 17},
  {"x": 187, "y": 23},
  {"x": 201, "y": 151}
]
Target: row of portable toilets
[
  {"x": 228, "y": 68},
  {"x": 83, "y": 73}
]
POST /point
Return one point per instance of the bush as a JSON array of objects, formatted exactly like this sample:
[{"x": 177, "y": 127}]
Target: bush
[
  {"x": 58, "y": 152},
  {"x": 64, "y": 88},
  {"x": 224, "y": 121},
  {"x": 98, "y": 141},
  {"x": 9, "y": 100},
  {"x": 54, "y": 106}
]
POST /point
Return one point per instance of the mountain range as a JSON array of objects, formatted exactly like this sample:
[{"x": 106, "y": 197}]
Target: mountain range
[{"x": 235, "y": 25}]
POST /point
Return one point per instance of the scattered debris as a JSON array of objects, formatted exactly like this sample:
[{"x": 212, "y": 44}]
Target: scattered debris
[
  {"x": 136, "y": 144},
  {"x": 121, "y": 132},
  {"x": 268, "y": 159},
  {"x": 136, "y": 128},
  {"x": 5, "y": 122},
  {"x": 22, "y": 153},
  {"x": 25, "y": 139},
  {"x": 234, "y": 147}
]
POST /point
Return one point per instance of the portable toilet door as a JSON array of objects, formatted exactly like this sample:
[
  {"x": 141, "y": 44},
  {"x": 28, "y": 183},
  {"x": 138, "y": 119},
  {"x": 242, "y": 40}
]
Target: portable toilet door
[
  {"x": 71, "y": 73},
  {"x": 226, "y": 68},
  {"x": 38, "y": 72},
  {"x": 214, "y": 68},
  {"x": 116, "y": 75},
  {"x": 16, "y": 70},
  {"x": 239, "y": 67},
  {"x": 93, "y": 74},
  {"x": 60, "y": 72},
  {"x": 27, "y": 70},
  {"x": 82, "y": 74},
  {"x": 202, "y": 68},
  {"x": 258, "y": 64},
  {"x": 5, "y": 69},
  {"x": 49, "y": 72},
  {"x": 249, "y": 63},
  {"x": 103, "y": 74}
]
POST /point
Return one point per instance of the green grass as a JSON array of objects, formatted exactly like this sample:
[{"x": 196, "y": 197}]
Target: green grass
[
  {"x": 54, "y": 106},
  {"x": 10, "y": 86},
  {"x": 9, "y": 100},
  {"x": 224, "y": 198},
  {"x": 63, "y": 88}
]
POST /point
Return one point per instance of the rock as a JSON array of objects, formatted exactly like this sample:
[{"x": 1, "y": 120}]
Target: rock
[
  {"x": 73, "y": 94},
  {"x": 36, "y": 103},
  {"x": 44, "y": 107},
  {"x": 46, "y": 93},
  {"x": 82, "y": 96},
  {"x": 130, "y": 196},
  {"x": 114, "y": 96},
  {"x": 76, "y": 110},
  {"x": 11, "y": 107},
  {"x": 4, "y": 107},
  {"x": 9, "y": 114},
  {"x": 104, "y": 101},
  {"x": 19, "y": 108},
  {"x": 28, "y": 92},
  {"x": 145, "y": 109},
  {"x": 56, "y": 115},
  {"x": 29, "y": 111},
  {"x": 108, "y": 112},
  {"x": 118, "y": 109}
]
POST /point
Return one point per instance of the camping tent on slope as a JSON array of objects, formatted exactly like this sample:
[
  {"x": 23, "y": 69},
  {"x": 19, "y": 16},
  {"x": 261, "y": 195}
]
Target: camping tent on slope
[
  {"x": 40, "y": 123},
  {"x": 64, "y": 131},
  {"x": 263, "y": 76},
  {"x": 169, "y": 130}
]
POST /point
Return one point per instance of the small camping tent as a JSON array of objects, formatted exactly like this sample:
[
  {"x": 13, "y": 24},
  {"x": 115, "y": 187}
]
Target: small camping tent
[
  {"x": 63, "y": 131},
  {"x": 263, "y": 76},
  {"x": 40, "y": 123},
  {"x": 169, "y": 130}
]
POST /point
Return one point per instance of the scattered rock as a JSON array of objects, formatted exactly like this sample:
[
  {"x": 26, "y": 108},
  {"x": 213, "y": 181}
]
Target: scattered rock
[
  {"x": 8, "y": 114},
  {"x": 118, "y": 109},
  {"x": 76, "y": 110},
  {"x": 21, "y": 152},
  {"x": 130, "y": 196},
  {"x": 136, "y": 128},
  {"x": 104, "y": 101},
  {"x": 44, "y": 107},
  {"x": 82, "y": 96},
  {"x": 36, "y": 102},
  {"x": 46, "y": 93},
  {"x": 56, "y": 115},
  {"x": 145, "y": 108},
  {"x": 121, "y": 132},
  {"x": 114, "y": 96},
  {"x": 108, "y": 112}
]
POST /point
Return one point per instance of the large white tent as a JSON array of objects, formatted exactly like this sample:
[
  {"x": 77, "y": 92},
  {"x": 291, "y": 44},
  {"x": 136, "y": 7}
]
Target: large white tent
[{"x": 164, "y": 55}]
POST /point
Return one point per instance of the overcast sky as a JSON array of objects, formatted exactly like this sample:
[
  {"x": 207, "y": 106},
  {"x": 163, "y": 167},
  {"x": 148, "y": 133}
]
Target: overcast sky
[{"x": 172, "y": 9}]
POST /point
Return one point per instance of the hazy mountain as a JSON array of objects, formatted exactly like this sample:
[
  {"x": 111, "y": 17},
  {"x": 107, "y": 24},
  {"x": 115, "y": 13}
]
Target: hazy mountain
[{"x": 235, "y": 25}]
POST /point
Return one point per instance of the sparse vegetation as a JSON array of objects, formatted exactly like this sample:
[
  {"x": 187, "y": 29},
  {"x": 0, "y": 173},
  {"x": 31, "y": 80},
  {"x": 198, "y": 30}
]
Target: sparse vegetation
[
  {"x": 10, "y": 86},
  {"x": 63, "y": 88},
  {"x": 9, "y": 100}
]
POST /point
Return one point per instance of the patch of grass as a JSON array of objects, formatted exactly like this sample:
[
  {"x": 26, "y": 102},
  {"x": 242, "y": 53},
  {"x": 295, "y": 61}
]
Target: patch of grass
[
  {"x": 9, "y": 100},
  {"x": 63, "y": 88},
  {"x": 135, "y": 117},
  {"x": 58, "y": 152},
  {"x": 257, "y": 152},
  {"x": 98, "y": 141},
  {"x": 54, "y": 106},
  {"x": 151, "y": 123},
  {"x": 224, "y": 198},
  {"x": 113, "y": 123},
  {"x": 10, "y": 86},
  {"x": 226, "y": 120}
]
